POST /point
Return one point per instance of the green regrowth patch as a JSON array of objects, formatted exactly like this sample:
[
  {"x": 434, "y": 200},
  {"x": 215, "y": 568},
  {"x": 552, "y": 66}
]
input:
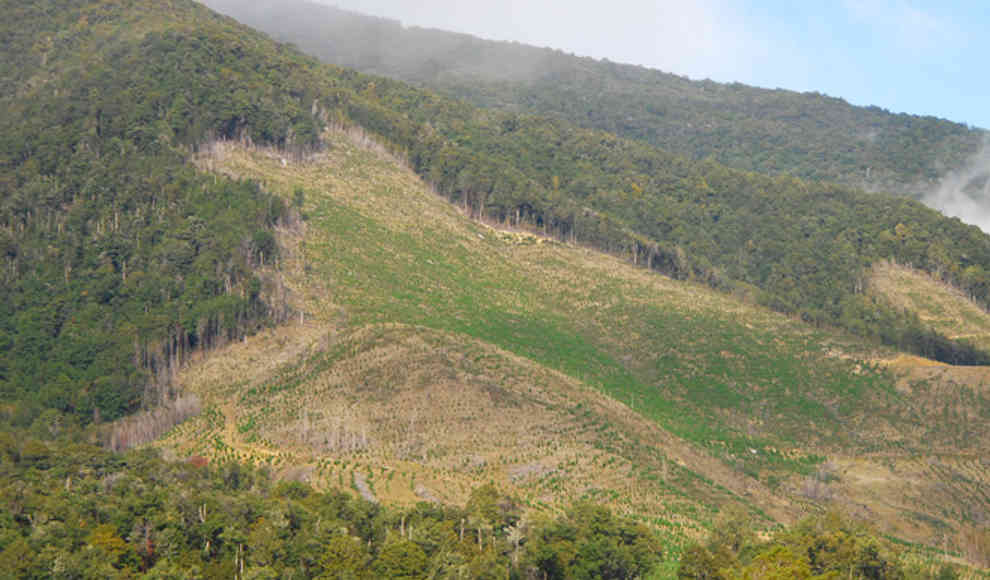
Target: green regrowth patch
[{"x": 386, "y": 251}]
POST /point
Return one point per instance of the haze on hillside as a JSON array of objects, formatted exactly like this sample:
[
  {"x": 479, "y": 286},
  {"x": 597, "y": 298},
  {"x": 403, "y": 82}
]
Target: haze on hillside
[
  {"x": 288, "y": 278},
  {"x": 890, "y": 53},
  {"x": 709, "y": 39},
  {"x": 807, "y": 135}
]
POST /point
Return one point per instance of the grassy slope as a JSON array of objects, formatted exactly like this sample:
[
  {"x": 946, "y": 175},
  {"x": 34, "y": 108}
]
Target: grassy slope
[
  {"x": 516, "y": 340},
  {"x": 436, "y": 352},
  {"x": 949, "y": 401},
  {"x": 942, "y": 306}
]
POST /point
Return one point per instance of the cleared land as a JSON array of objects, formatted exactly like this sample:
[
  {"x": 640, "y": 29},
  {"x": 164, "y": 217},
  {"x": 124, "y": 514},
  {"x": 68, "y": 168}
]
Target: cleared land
[
  {"x": 940, "y": 305},
  {"x": 432, "y": 353}
]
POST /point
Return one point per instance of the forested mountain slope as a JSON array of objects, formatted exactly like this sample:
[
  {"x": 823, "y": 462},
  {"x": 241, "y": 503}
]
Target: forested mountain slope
[
  {"x": 174, "y": 183},
  {"x": 119, "y": 259},
  {"x": 106, "y": 228},
  {"x": 808, "y": 135}
]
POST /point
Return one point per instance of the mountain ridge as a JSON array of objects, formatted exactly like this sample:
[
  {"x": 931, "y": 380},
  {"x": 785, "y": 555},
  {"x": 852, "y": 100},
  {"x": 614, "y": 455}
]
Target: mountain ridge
[
  {"x": 771, "y": 131},
  {"x": 806, "y": 243}
]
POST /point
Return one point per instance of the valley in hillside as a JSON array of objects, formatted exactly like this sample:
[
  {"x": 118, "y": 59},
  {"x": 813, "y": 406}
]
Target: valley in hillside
[{"x": 267, "y": 317}]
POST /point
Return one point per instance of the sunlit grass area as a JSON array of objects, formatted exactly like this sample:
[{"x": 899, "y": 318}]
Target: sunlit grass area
[{"x": 431, "y": 352}]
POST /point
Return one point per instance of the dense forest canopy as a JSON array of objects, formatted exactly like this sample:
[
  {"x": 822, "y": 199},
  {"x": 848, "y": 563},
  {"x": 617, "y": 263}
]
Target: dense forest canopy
[
  {"x": 809, "y": 135},
  {"x": 76, "y": 511},
  {"x": 119, "y": 258}
]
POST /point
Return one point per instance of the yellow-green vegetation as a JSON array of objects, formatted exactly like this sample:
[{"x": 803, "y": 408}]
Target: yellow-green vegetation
[
  {"x": 940, "y": 305},
  {"x": 797, "y": 246},
  {"x": 413, "y": 411},
  {"x": 431, "y": 353}
]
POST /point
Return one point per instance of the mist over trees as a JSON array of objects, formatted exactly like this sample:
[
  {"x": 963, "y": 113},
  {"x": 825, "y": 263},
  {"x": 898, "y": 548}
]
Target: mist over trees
[
  {"x": 808, "y": 135},
  {"x": 121, "y": 259}
]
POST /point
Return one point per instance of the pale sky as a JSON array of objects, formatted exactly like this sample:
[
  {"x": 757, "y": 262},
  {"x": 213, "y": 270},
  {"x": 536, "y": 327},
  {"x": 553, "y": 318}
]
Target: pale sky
[{"x": 925, "y": 58}]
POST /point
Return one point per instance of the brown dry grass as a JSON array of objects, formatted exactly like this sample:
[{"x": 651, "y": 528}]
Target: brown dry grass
[{"x": 440, "y": 413}]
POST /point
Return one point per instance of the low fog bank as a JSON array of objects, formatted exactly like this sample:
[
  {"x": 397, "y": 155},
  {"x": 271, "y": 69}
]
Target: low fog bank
[{"x": 965, "y": 193}]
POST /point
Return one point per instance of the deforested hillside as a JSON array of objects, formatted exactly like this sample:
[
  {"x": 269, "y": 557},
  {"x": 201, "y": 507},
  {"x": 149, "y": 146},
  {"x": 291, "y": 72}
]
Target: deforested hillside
[
  {"x": 939, "y": 305},
  {"x": 809, "y": 135},
  {"x": 154, "y": 84},
  {"x": 99, "y": 125},
  {"x": 498, "y": 347},
  {"x": 798, "y": 246}
]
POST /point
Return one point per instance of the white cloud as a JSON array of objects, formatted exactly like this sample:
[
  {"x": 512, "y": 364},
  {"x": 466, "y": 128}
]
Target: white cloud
[{"x": 958, "y": 197}]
